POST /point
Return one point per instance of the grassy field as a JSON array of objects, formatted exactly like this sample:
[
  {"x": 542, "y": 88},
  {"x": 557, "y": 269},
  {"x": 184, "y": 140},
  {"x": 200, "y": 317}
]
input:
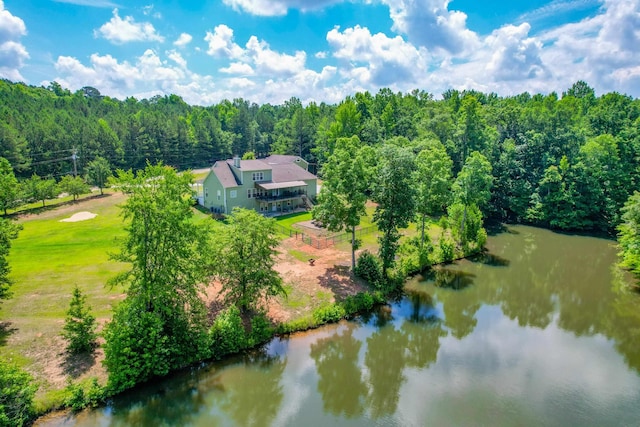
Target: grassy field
[{"x": 48, "y": 259}]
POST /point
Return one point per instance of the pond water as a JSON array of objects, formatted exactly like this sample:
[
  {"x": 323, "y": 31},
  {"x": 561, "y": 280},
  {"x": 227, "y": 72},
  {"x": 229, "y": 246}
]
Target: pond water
[{"x": 538, "y": 331}]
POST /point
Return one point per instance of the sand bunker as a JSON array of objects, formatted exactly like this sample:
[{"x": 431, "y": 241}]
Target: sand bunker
[{"x": 79, "y": 216}]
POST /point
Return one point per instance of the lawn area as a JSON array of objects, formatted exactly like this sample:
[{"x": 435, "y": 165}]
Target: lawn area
[{"x": 48, "y": 259}]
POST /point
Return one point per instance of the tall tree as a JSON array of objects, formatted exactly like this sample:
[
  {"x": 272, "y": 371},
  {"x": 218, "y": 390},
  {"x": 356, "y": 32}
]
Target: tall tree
[
  {"x": 432, "y": 178},
  {"x": 393, "y": 191},
  {"x": 342, "y": 199},
  {"x": 629, "y": 234},
  {"x": 161, "y": 324},
  {"x": 8, "y": 232},
  {"x": 244, "y": 258},
  {"x": 98, "y": 173},
  {"x": 8, "y": 186}
]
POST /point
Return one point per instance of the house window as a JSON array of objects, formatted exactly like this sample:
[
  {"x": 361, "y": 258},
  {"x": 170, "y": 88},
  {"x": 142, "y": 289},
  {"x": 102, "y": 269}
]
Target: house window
[
  {"x": 251, "y": 192},
  {"x": 206, "y": 194},
  {"x": 233, "y": 194},
  {"x": 258, "y": 176},
  {"x": 218, "y": 194}
]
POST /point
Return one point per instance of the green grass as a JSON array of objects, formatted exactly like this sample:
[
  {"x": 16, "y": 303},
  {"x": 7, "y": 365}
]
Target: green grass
[{"x": 287, "y": 221}]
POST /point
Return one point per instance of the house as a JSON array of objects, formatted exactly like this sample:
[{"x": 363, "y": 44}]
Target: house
[{"x": 273, "y": 185}]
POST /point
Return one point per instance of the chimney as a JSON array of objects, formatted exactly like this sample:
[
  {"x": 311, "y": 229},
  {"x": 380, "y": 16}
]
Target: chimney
[{"x": 236, "y": 161}]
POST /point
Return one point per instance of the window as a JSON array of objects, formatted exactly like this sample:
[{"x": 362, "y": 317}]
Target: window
[
  {"x": 258, "y": 176},
  {"x": 251, "y": 192},
  {"x": 218, "y": 194},
  {"x": 233, "y": 194}
]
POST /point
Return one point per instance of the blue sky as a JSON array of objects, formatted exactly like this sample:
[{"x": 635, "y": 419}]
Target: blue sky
[{"x": 321, "y": 50}]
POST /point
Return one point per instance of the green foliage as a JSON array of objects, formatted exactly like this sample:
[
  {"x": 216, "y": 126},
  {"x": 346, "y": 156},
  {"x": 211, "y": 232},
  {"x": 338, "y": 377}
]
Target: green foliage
[
  {"x": 328, "y": 314},
  {"x": 414, "y": 257},
  {"x": 81, "y": 396},
  {"x": 341, "y": 202},
  {"x": 249, "y": 155},
  {"x": 79, "y": 325},
  {"x": 136, "y": 348},
  {"x": 393, "y": 191},
  {"x": 466, "y": 226},
  {"x": 227, "y": 334},
  {"x": 75, "y": 186},
  {"x": 446, "y": 248},
  {"x": 358, "y": 303},
  {"x": 629, "y": 235},
  {"x": 38, "y": 189},
  {"x": 243, "y": 259},
  {"x": 161, "y": 325},
  {"x": 98, "y": 172},
  {"x": 8, "y": 232},
  {"x": 8, "y": 186},
  {"x": 368, "y": 267},
  {"x": 17, "y": 390}
]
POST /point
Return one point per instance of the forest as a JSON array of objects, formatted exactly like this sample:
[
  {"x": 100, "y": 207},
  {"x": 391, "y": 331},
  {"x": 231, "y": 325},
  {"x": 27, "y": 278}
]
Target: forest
[{"x": 566, "y": 161}]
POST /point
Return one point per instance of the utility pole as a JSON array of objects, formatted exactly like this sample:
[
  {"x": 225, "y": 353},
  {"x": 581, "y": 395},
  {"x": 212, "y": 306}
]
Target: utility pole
[{"x": 74, "y": 157}]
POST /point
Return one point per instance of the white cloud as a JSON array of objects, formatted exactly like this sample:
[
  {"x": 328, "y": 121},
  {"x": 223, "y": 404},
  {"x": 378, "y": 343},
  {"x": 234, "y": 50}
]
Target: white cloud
[
  {"x": 429, "y": 23},
  {"x": 12, "y": 52},
  {"x": 515, "y": 55},
  {"x": 177, "y": 58},
  {"x": 556, "y": 7},
  {"x": 238, "y": 68},
  {"x": 277, "y": 7},
  {"x": 271, "y": 62},
  {"x": 120, "y": 31},
  {"x": 183, "y": 40},
  {"x": 221, "y": 44},
  {"x": 389, "y": 61},
  {"x": 321, "y": 55},
  {"x": 148, "y": 11}
]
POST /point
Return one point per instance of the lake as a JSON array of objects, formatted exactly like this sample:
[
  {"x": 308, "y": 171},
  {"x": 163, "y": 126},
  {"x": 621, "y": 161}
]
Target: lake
[{"x": 541, "y": 330}]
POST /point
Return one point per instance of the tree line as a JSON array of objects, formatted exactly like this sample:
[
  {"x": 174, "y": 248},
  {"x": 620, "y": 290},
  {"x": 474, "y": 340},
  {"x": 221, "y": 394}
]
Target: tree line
[{"x": 567, "y": 162}]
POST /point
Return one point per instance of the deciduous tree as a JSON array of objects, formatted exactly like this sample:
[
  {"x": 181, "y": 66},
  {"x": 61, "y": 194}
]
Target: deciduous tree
[
  {"x": 244, "y": 258},
  {"x": 99, "y": 172},
  {"x": 8, "y": 186},
  {"x": 8, "y": 231},
  {"x": 629, "y": 234},
  {"x": 75, "y": 186}
]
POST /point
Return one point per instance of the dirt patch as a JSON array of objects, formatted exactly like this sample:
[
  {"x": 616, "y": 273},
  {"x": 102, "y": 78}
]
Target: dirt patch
[
  {"x": 80, "y": 216},
  {"x": 311, "y": 227}
]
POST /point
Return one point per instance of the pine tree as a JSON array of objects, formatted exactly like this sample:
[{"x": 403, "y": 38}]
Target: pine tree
[{"x": 79, "y": 325}]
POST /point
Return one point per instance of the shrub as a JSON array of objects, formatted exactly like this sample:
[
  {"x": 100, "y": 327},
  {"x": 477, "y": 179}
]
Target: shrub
[
  {"x": 16, "y": 395},
  {"x": 328, "y": 314},
  {"x": 446, "y": 246},
  {"x": 261, "y": 330},
  {"x": 368, "y": 267},
  {"x": 78, "y": 399},
  {"x": 357, "y": 303},
  {"x": 227, "y": 333}
]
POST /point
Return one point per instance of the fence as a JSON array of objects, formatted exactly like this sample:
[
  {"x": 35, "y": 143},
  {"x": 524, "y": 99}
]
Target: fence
[{"x": 320, "y": 242}]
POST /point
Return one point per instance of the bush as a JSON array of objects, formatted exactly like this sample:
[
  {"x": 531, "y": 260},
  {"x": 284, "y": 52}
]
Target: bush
[
  {"x": 227, "y": 333},
  {"x": 78, "y": 399},
  {"x": 261, "y": 330},
  {"x": 16, "y": 395},
  {"x": 328, "y": 314},
  {"x": 368, "y": 267},
  {"x": 447, "y": 251},
  {"x": 357, "y": 303}
]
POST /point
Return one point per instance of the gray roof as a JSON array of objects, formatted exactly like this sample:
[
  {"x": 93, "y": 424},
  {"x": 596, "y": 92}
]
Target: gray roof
[
  {"x": 251, "y": 165},
  {"x": 223, "y": 171},
  {"x": 290, "y": 172},
  {"x": 281, "y": 159}
]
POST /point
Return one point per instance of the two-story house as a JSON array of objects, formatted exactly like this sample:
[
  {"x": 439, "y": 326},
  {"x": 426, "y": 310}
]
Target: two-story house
[{"x": 273, "y": 185}]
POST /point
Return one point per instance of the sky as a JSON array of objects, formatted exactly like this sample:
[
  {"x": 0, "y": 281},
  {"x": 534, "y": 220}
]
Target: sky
[{"x": 268, "y": 51}]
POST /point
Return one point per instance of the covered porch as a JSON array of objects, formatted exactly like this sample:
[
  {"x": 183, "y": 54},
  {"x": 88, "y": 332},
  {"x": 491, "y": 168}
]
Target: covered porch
[{"x": 277, "y": 198}]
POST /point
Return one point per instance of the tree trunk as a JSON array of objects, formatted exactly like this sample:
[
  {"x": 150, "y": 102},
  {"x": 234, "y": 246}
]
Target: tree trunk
[{"x": 353, "y": 248}]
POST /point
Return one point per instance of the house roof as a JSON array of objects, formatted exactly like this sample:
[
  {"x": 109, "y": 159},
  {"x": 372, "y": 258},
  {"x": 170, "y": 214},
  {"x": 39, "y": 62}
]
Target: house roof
[
  {"x": 281, "y": 159},
  {"x": 289, "y": 172},
  {"x": 251, "y": 165},
  {"x": 223, "y": 171}
]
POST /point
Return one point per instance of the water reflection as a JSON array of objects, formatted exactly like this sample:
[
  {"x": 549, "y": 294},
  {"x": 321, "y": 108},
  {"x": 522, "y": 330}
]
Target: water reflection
[
  {"x": 451, "y": 279},
  {"x": 340, "y": 380}
]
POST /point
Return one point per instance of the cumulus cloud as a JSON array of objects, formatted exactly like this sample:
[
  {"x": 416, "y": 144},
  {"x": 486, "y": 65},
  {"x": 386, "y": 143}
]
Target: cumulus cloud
[
  {"x": 271, "y": 62},
  {"x": 183, "y": 40},
  {"x": 277, "y": 7},
  {"x": 221, "y": 44},
  {"x": 238, "y": 68},
  {"x": 120, "y": 31},
  {"x": 12, "y": 52},
  {"x": 515, "y": 55},
  {"x": 389, "y": 61},
  {"x": 431, "y": 24}
]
